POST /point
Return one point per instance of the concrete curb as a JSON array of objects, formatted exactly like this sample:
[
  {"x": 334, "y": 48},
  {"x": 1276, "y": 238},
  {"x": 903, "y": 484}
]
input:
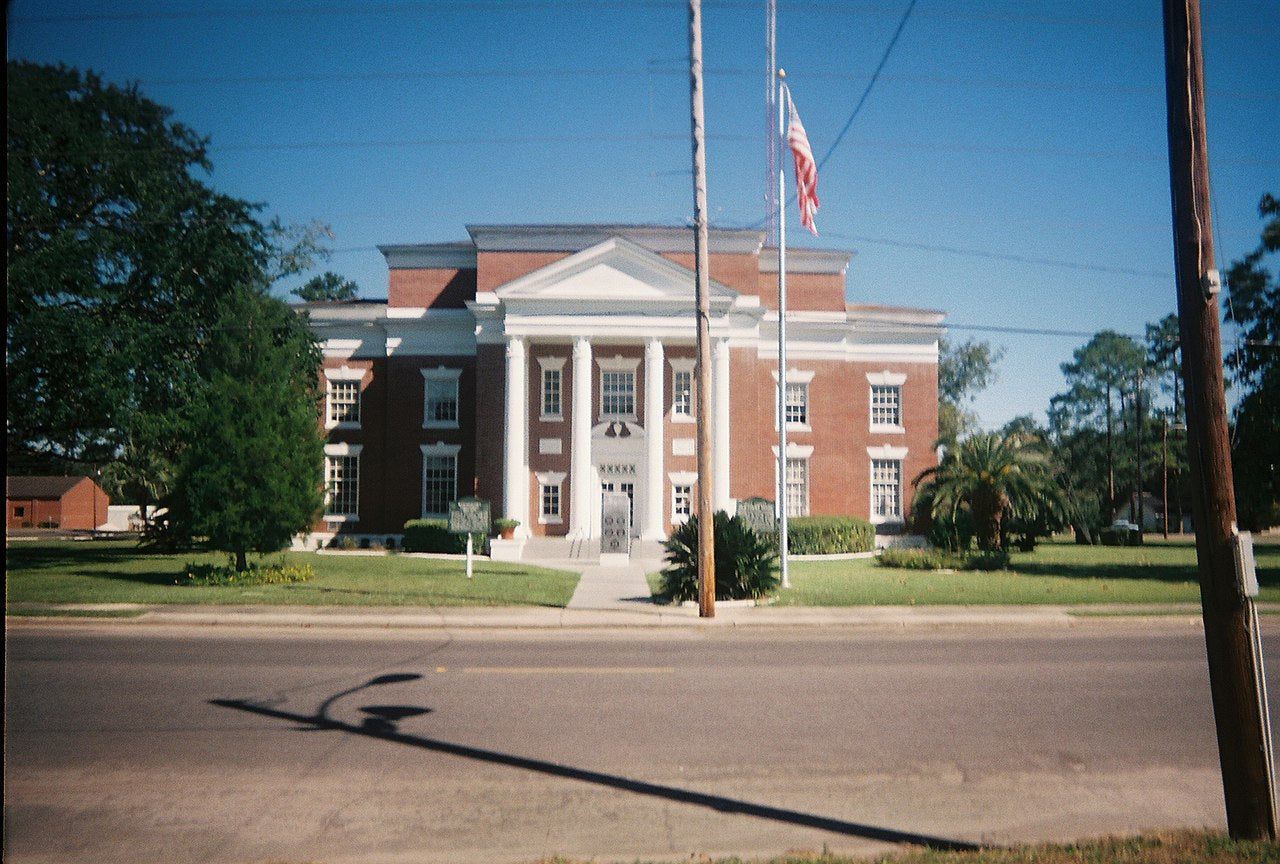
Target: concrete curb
[{"x": 644, "y": 615}]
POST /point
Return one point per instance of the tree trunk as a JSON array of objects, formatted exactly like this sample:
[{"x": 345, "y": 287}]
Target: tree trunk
[
  {"x": 1111, "y": 465},
  {"x": 242, "y": 561}
]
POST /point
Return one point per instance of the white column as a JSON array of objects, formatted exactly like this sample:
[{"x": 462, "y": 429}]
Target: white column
[
  {"x": 581, "y": 489},
  {"x": 652, "y": 527},
  {"x": 515, "y": 463},
  {"x": 720, "y": 424}
]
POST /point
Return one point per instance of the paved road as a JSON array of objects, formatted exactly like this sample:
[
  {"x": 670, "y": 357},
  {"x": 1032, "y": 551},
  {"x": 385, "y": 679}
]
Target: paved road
[{"x": 129, "y": 743}]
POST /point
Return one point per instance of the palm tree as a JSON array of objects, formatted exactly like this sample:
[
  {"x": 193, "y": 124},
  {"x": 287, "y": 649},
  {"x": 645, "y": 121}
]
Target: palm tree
[{"x": 993, "y": 476}]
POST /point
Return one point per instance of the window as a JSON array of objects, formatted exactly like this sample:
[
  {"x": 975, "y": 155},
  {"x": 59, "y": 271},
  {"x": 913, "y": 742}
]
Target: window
[
  {"x": 552, "y": 387},
  {"x": 551, "y": 503},
  {"x": 886, "y": 405},
  {"x": 617, "y": 393},
  {"x": 440, "y": 399},
  {"x": 682, "y": 390},
  {"x": 342, "y": 486},
  {"x": 797, "y": 487},
  {"x": 19, "y": 512},
  {"x": 797, "y": 404},
  {"x": 344, "y": 402},
  {"x": 342, "y": 397},
  {"x": 681, "y": 504},
  {"x": 886, "y": 490},
  {"x": 551, "y": 494},
  {"x": 439, "y": 481}
]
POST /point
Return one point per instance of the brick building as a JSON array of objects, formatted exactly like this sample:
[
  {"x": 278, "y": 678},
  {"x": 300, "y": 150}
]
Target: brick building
[
  {"x": 69, "y": 503},
  {"x": 539, "y": 365}
]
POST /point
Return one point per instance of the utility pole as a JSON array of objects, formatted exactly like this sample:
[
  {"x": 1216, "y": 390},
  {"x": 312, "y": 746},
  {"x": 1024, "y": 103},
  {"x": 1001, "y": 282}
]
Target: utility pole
[
  {"x": 1141, "y": 510},
  {"x": 1230, "y": 619},
  {"x": 702, "y": 289},
  {"x": 1164, "y": 469}
]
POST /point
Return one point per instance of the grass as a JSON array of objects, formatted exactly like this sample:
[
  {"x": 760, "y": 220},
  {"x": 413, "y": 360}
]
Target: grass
[
  {"x": 118, "y": 571},
  {"x": 1058, "y": 572},
  {"x": 1176, "y": 847}
]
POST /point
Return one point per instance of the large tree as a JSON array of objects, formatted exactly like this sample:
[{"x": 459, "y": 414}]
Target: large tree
[
  {"x": 964, "y": 370},
  {"x": 127, "y": 279},
  {"x": 1101, "y": 377},
  {"x": 117, "y": 253},
  {"x": 1254, "y": 306},
  {"x": 248, "y": 478}
]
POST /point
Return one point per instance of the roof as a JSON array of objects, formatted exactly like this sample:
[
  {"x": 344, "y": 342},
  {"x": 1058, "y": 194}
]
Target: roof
[{"x": 40, "y": 487}]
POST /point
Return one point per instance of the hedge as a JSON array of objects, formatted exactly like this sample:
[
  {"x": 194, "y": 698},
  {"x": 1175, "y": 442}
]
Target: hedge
[
  {"x": 432, "y": 535},
  {"x": 829, "y": 535}
]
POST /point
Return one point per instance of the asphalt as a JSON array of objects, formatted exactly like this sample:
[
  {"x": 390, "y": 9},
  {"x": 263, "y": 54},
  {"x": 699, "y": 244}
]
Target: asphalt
[{"x": 610, "y": 596}]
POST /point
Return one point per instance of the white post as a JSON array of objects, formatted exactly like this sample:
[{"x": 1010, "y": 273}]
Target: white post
[
  {"x": 580, "y": 485},
  {"x": 515, "y": 466},
  {"x": 720, "y": 382},
  {"x": 652, "y": 527},
  {"x": 468, "y": 554},
  {"x": 783, "y": 565}
]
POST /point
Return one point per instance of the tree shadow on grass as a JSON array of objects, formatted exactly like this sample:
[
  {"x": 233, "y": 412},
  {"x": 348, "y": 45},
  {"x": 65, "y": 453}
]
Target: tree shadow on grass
[{"x": 382, "y": 720}]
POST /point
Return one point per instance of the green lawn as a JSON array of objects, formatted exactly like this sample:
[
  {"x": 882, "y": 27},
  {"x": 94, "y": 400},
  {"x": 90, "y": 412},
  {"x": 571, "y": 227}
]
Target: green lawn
[
  {"x": 114, "y": 571},
  {"x": 1057, "y": 572}
]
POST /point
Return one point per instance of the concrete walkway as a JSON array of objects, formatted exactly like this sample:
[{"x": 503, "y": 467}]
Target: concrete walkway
[{"x": 602, "y": 586}]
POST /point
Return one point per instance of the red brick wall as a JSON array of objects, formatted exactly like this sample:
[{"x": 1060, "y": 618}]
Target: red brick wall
[
  {"x": 556, "y": 429},
  {"x": 499, "y": 268},
  {"x": 432, "y": 289},
  {"x": 809, "y": 292}
]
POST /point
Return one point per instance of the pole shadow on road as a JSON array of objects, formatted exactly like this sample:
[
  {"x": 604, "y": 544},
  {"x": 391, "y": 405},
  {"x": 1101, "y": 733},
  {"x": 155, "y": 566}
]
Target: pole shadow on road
[{"x": 382, "y": 721}]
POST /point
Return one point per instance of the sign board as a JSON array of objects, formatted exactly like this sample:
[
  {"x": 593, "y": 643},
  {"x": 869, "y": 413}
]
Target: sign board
[
  {"x": 758, "y": 515},
  {"x": 615, "y": 525},
  {"x": 469, "y": 516}
]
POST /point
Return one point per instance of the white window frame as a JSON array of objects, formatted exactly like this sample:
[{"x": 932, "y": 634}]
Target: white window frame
[
  {"x": 885, "y": 379},
  {"x": 549, "y": 480},
  {"x": 887, "y": 454},
  {"x": 439, "y": 450},
  {"x": 683, "y": 411},
  {"x": 682, "y": 480},
  {"x": 345, "y": 452},
  {"x": 344, "y": 375},
  {"x": 553, "y": 367},
  {"x": 795, "y": 379},
  {"x": 797, "y": 453},
  {"x": 430, "y": 376},
  {"x": 626, "y": 366}
]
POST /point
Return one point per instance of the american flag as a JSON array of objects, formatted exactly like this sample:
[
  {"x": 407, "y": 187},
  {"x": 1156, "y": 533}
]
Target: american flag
[{"x": 806, "y": 168}]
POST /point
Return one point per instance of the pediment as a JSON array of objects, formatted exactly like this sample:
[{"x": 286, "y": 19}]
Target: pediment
[{"x": 614, "y": 271}]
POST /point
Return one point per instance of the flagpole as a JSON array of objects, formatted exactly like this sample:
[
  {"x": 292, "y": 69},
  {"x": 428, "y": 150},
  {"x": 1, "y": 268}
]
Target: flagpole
[{"x": 784, "y": 569}]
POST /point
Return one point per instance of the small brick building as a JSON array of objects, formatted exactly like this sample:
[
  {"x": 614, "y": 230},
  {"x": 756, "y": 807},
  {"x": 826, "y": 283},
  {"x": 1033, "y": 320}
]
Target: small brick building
[
  {"x": 69, "y": 503},
  {"x": 536, "y": 366}
]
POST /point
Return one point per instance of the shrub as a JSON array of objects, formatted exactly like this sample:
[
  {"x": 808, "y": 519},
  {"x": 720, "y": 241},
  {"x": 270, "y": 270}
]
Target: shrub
[
  {"x": 1120, "y": 537},
  {"x": 432, "y": 535},
  {"x": 275, "y": 574},
  {"x": 940, "y": 559},
  {"x": 745, "y": 561},
  {"x": 829, "y": 535}
]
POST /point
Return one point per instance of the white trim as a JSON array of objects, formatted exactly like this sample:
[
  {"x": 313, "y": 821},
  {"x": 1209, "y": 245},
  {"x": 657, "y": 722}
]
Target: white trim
[
  {"x": 794, "y": 375},
  {"x": 886, "y": 451},
  {"x": 345, "y": 373},
  {"x": 550, "y": 446},
  {"x": 887, "y": 378},
  {"x": 684, "y": 447},
  {"x": 682, "y": 478},
  {"x": 342, "y": 448},
  {"x": 796, "y": 451}
]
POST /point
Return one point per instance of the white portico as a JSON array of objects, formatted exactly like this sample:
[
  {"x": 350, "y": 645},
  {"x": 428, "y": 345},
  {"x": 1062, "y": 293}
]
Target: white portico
[{"x": 611, "y": 326}]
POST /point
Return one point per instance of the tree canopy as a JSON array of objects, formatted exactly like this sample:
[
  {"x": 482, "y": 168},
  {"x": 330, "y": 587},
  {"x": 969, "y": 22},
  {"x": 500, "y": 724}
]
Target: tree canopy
[
  {"x": 1254, "y": 306},
  {"x": 964, "y": 370},
  {"x": 327, "y": 286}
]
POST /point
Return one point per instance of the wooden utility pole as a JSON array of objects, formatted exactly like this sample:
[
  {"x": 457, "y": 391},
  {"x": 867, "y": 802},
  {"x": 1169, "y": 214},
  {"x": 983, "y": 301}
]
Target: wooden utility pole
[
  {"x": 706, "y": 514},
  {"x": 1230, "y": 619}
]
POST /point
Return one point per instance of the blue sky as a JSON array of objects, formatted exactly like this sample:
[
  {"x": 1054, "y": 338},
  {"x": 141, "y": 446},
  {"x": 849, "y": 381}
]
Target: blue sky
[{"x": 1009, "y": 165}]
